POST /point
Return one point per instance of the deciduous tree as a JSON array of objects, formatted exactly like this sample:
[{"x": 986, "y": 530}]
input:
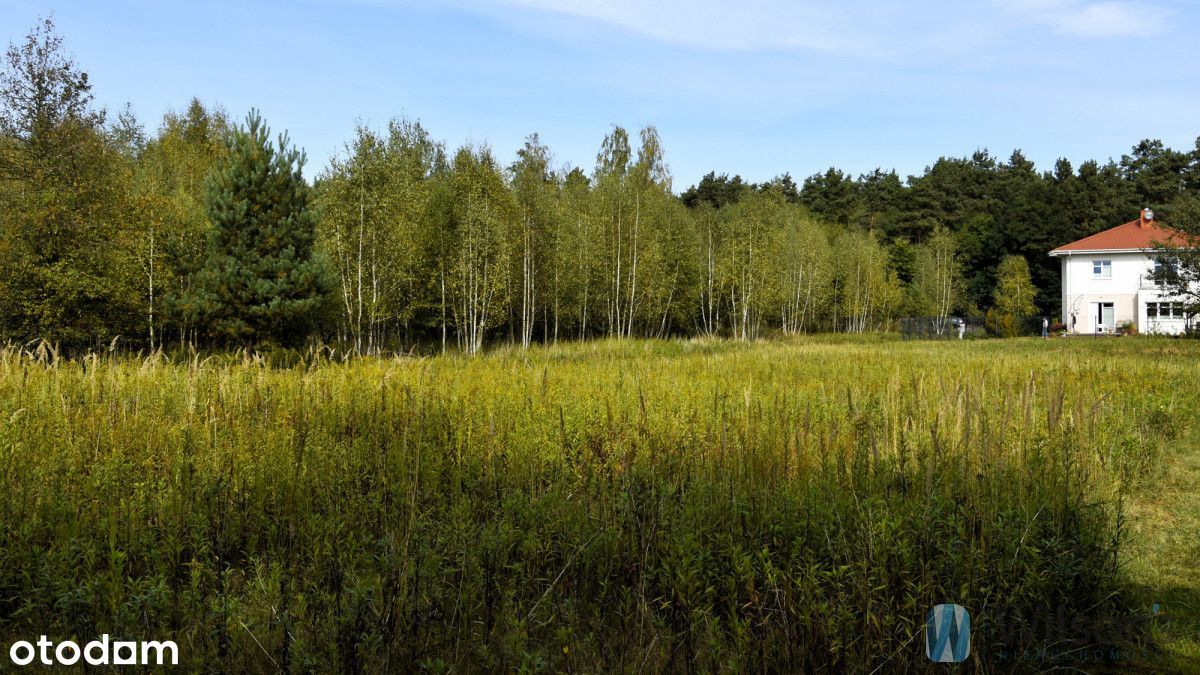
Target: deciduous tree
[{"x": 66, "y": 268}]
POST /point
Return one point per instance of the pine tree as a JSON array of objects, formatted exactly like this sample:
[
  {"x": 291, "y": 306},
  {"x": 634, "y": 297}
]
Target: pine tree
[{"x": 260, "y": 284}]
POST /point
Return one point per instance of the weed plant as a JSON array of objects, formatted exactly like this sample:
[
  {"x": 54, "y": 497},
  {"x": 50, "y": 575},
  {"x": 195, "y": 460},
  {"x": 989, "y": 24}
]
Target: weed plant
[{"x": 692, "y": 505}]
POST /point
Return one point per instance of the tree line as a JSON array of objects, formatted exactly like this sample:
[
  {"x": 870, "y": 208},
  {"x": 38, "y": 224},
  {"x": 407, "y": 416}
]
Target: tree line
[{"x": 204, "y": 232}]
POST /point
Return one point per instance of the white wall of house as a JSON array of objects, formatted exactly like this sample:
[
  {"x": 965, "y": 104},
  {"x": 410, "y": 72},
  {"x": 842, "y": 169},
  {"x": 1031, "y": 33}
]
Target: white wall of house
[{"x": 1103, "y": 290}]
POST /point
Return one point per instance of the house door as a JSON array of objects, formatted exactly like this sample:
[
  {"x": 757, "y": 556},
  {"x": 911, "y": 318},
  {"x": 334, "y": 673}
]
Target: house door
[{"x": 1105, "y": 317}]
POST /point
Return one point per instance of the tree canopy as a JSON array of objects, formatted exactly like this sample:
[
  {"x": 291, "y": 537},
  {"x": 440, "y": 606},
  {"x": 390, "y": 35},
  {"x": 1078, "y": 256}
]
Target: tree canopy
[
  {"x": 205, "y": 233},
  {"x": 260, "y": 283}
]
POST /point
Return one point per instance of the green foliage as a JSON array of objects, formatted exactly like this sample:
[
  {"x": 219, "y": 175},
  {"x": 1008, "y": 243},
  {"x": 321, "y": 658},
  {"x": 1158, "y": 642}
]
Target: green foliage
[
  {"x": 1178, "y": 262},
  {"x": 535, "y": 189},
  {"x": 716, "y": 191},
  {"x": 373, "y": 205},
  {"x": 66, "y": 273},
  {"x": 168, "y": 216},
  {"x": 830, "y": 195},
  {"x": 1015, "y": 292},
  {"x": 105, "y": 234},
  {"x": 936, "y": 286},
  {"x": 482, "y": 217},
  {"x": 1156, "y": 172},
  {"x": 867, "y": 290},
  {"x": 260, "y": 284},
  {"x": 607, "y": 506},
  {"x": 640, "y": 235},
  {"x": 995, "y": 208},
  {"x": 768, "y": 261}
]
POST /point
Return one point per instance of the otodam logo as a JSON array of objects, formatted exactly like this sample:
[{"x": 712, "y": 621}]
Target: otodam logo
[{"x": 948, "y": 634}]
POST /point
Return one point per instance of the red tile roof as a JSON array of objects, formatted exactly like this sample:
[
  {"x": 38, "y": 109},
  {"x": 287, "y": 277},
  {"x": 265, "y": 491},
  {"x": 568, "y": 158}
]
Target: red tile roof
[{"x": 1136, "y": 234}]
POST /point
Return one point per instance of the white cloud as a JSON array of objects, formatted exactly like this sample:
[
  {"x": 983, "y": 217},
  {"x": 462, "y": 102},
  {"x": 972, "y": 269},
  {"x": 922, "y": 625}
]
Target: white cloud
[
  {"x": 874, "y": 29},
  {"x": 1106, "y": 19},
  {"x": 713, "y": 24}
]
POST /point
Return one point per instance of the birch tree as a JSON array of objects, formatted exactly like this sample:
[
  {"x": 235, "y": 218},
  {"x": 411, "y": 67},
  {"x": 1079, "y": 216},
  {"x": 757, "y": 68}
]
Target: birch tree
[
  {"x": 653, "y": 270},
  {"x": 174, "y": 226},
  {"x": 578, "y": 255},
  {"x": 678, "y": 273},
  {"x": 352, "y": 206},
  {"x": 746, "y": 261},
  {"x": 482, "y": 216},
  {"x": 868, "y": 290},
  {"x": 708, "y": 223},
  {"x": 612, "y": 169},
  {"x": 373, "y": 202},
  {"x": 631, "y": 197},
  {"x": 936, "y": 288},
  {"x": 805, "y": 269},
  {"x": 535, "y": 192}
]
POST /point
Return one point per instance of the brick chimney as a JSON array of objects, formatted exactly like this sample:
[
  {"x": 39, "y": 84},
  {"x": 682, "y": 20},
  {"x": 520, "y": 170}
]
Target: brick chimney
[{"x": 1145, "y": 216}]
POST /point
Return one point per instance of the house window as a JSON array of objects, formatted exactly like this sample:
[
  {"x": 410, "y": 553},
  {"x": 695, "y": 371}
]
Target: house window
[
  {"x": 1101, "y": 269},
  {"x": 1169, "y": 267},
  {"x": 1165, "y": 273},
  {"x": 1164, "y": 310}
]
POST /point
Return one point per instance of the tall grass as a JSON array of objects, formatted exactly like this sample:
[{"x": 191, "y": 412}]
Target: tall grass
[{"x": 633, "y": 505}]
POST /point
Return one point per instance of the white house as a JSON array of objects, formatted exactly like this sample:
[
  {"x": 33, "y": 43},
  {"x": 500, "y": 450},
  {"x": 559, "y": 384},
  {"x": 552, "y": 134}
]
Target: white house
[{"x": 1106, "y": 280}]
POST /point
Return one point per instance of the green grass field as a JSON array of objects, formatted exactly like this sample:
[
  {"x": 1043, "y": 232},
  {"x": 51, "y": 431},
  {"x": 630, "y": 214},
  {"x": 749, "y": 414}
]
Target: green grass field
[{"x": 613, "y": 506}]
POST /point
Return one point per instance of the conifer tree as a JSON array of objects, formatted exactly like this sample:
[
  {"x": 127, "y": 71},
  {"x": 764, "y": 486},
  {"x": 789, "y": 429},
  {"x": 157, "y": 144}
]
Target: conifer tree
[{"x": 260, "y": 284}]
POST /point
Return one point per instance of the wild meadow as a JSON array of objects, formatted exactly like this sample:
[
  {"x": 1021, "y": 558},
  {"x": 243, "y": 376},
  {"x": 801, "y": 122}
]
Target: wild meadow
[{"x": 613, "y": 505}]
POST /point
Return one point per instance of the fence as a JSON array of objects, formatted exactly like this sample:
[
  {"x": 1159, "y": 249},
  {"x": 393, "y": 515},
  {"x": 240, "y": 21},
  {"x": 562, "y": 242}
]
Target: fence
[{"x": 947, "y": 328}]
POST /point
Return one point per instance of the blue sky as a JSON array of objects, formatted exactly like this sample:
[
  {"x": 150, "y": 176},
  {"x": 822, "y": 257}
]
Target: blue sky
[{"x": 756, "y": 87}]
